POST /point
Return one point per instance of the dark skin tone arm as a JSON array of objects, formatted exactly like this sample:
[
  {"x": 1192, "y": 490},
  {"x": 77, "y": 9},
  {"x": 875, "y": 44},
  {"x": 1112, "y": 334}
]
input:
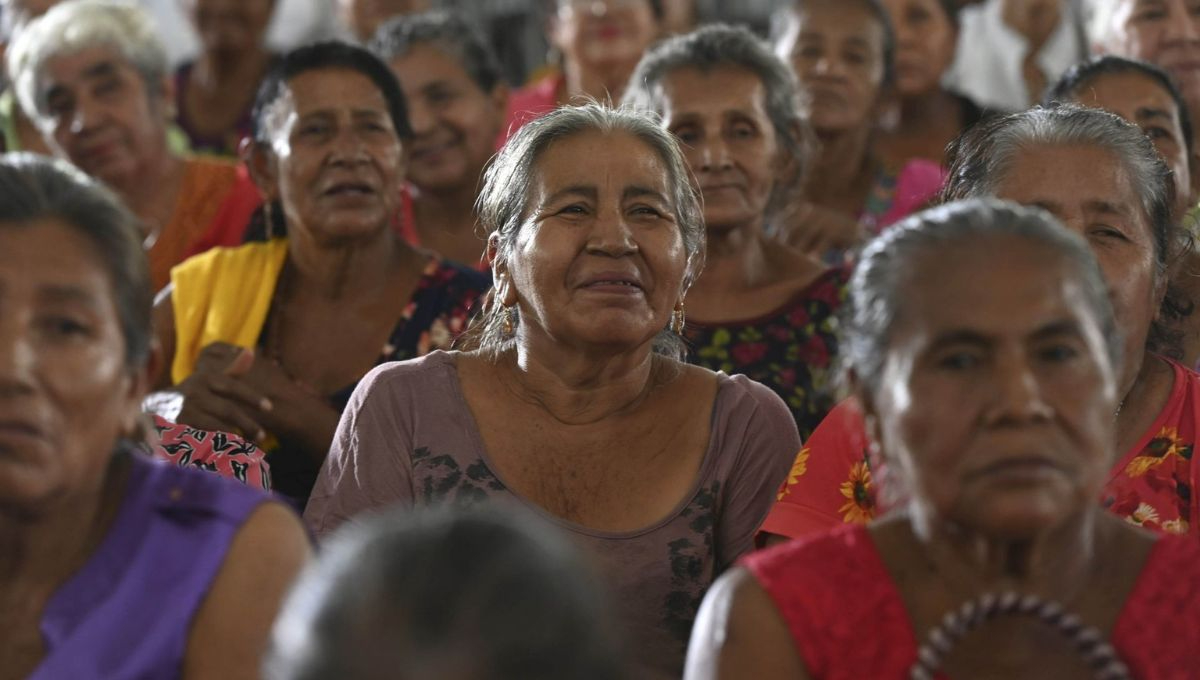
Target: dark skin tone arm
[{"x": 740, "y": 634}]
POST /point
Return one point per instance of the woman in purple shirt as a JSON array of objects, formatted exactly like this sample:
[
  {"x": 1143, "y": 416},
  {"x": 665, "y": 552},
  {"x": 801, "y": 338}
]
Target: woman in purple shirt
[{"x": 111, "y": 565}]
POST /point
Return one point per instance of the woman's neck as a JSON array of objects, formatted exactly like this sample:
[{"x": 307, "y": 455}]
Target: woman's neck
[
  {"x": 215, "y": 70},
  {"x": 578, "y": 386},
  {"x": 841, "y": 174},
  {"x": 601, "y": 81},
  {"x": 154, "y": 202},
  {"x": 928, "y": 113},
  {"x": 1141, "y": 402},
  {"x": 735, "y": 259},
  {"x": 452, "y": 210},
  {"x": 37, "y": 555},
  {"x": 348, "y": 270}
]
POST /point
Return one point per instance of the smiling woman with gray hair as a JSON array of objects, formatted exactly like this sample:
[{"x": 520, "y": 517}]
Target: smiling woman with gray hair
[{"x": 569, "y": 397}]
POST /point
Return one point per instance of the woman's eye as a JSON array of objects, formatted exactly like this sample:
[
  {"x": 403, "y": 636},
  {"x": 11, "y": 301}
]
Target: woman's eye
[
  {"x": 958, "y": 361},
  {"x": 1152, "y": 14},
  {"x": 646, "y": 211},
  {"x": 687, "y": 135},
  {"x": 63, "y": 327},
  {"x": 1157, "y": 133},
  {"x": 743, "y": 131},
  {"x": 1057, "y": 353},
  {"x": 573, "y": 209},
  {"x": 1107, "y": 233}
]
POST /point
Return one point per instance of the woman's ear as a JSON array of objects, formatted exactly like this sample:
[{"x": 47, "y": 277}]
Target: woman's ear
[
  {"x": 506, "y": 293},
  {"x": 260, "y": 163}
]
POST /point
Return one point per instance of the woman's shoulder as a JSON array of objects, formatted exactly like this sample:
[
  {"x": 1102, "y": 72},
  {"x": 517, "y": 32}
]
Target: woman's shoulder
[
  {"x": 411, "y": 375},
  {"x": 177, "y": 492},
  {"x": 1158, "y": 630}
]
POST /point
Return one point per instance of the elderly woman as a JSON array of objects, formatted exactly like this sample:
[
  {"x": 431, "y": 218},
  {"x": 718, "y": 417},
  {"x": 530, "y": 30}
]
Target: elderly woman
[
  {"x": 984, "y": 350},
  {"x": 843, "y": 52},
  {"x": 760, "y": 310},
  {"x": 1146, "y": 96},
  {"x": 599, "y": 43},
  {"x": 1104, "y": 179},
  {"x": 571, "y": 399},
  {"x": 247, "y": 330},
  {"x": 387, "y": 599},
  {"x": 214, "y": 93},
  {"x": 456, "y": 100},
  {"x": 97, "y": 536},
  {"x": 92, "y": 75},
  {"x": 926, "y": 116}
]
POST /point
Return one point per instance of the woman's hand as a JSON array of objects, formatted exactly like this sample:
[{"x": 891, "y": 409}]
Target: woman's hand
[
  {"x": 299, "y": 415},
  {"x": 216, "y": 396}
]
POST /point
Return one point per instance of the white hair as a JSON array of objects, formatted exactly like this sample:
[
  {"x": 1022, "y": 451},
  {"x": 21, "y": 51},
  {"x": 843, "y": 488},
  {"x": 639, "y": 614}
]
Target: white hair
[{"x": 78, "y": 25}]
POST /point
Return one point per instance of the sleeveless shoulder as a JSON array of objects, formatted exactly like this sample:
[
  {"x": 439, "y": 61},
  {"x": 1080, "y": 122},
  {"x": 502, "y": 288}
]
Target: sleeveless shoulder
[
  {"x": 1158, "y": 631},
  {"x": 840, "y": 604}
]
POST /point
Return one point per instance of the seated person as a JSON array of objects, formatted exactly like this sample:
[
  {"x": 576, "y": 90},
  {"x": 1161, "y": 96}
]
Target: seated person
[
  {"x": 981, "y": 341},
  {"x": 456, "y": 102},
  {"x": 247, "y": 330},
  {"x": 93, "y": 76},
  {"x": 434, "y": 595},
  {"x": 97, "y": 535}
]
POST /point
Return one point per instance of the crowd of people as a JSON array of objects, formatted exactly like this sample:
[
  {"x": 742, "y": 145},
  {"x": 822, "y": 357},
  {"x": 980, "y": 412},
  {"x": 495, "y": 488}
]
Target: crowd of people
[{"x": 802, "y": 347}]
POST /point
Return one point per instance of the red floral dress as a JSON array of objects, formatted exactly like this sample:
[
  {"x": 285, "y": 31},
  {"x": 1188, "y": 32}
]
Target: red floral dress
[
  {"x": 227, "y": 455},
  {"x": 1153, "y": 485}
]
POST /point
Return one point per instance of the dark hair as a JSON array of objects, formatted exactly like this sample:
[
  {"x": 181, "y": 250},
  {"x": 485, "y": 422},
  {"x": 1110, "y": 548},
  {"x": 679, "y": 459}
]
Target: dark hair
[
  {"x": 443, "y": 594},
  {"x": 876, "y": 291},
  {"x": 980, "y": 158},
  {"x": 549, "y": 7},
  {"x": 328, "y": 55},
  {"x": 450, "y": 33},
  {"x": 35, "y": 187},
  {"x": 783, "y": 21},
  {"x": 721, "y": 46},
  {"x": 1084, "y": 73}
]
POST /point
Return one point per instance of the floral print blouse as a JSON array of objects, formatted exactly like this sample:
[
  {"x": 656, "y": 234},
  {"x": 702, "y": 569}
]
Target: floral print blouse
[{"x": 790, "y": 350}]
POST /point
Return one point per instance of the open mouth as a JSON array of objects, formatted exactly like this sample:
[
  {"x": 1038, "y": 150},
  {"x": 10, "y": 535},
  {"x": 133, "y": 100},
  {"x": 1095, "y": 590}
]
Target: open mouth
[{"x": 349, "y": 189}]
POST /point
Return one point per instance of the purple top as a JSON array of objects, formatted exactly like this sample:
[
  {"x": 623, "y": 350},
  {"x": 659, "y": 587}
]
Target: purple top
[{"x": 128, "y": 611}]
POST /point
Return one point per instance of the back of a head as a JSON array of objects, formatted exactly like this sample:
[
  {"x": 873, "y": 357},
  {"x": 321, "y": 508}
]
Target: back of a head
[{"x": 465, "y": 596}]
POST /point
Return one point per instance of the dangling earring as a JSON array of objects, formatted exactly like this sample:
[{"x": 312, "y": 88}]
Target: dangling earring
[
  {"x": 677, "y": 319},
  {"x": 510, "y": 320}
]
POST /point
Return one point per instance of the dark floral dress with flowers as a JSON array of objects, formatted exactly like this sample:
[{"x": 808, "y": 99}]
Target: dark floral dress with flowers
[{"x": 790, "y": 350}]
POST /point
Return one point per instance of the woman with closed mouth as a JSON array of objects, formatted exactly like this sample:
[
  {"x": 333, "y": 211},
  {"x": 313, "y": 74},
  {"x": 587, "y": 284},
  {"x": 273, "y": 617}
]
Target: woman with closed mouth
[
  {"x": 759, "y": 309},
  {"x": 456, "y": 100},
  {"x": 269, "y": 339}
]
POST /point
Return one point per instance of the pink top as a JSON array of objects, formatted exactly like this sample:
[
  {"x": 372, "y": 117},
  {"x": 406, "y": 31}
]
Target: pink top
[
  {"x": 848, "y": 620},
  {"x": 531, "y": 102}
]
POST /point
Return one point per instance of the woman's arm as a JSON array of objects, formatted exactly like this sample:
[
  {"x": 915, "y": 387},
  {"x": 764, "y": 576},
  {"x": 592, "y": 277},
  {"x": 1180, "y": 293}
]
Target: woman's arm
[
  {"x": 740, "y": 634},
  {"x": 231, "y": 629},
  {"x": 164, "y": 331}
]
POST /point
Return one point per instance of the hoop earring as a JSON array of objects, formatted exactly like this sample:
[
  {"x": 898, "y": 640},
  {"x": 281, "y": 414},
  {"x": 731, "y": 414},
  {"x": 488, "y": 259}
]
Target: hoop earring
[{"x": 677, "y": 320}]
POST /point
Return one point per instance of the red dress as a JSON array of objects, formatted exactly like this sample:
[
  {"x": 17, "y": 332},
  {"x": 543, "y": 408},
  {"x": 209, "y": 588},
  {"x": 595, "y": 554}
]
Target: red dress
[
  {"x": 1153, "y": 485},
  {"x": 849, "y": 622}
]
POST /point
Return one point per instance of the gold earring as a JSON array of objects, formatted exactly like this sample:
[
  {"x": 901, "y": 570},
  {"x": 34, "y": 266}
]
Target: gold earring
[
  {"x": 677, "y": 319},
  {"x": 510, "y": 320}
]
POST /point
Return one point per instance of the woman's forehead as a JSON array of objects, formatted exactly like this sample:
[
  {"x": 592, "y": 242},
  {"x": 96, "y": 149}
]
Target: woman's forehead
[{"x": 598, "y": 159}]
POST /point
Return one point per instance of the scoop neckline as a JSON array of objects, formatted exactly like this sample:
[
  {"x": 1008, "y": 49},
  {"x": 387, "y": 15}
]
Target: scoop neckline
[{"x": 450, "y": 361}]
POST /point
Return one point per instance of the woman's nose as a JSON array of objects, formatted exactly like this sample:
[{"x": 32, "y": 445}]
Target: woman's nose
[
  {"x": 1018, "y": 393},
  {"x": 16, "y": 358}
]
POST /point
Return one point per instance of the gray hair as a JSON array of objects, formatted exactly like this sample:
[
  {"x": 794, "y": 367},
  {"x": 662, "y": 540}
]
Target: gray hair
[
  {"x": 876, "y": 291},
  {"x": 444, "y": 594},
  {"x": 722, "y": 46},
  {"x": 503, "y": 203},
  {"x": 450, "y": 33},
  {"x": 71, "y": 27},
  {"x": 980, "y": 159}
]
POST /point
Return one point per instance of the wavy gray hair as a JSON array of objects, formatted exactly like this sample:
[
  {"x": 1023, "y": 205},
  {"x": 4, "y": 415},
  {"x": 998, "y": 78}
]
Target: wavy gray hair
[
  {"x": 503, "y": 203},
  {"x": 71, "y": 27}
]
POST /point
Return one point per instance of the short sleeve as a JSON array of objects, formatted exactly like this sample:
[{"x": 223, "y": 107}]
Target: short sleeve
[
  {"x": 760, "y": 431},
  {"x": 829, "y": 482},
  {"x": 368, "y": 467}
]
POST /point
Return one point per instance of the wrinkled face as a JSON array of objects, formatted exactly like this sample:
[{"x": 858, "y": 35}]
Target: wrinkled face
[
  {"x": 336, "y": 161},
  {"x": 925, "y": 44},
  {"x": 66, "y": 395},
  {"x": 1165, "y": 33},
  {"x": 231, "y": 26},
  {"x": 364, "y": 17},
  {"x": 1092, "y": 194},
  {"x": 455, "y": 124},
  {"x": 597, "y": 33},
  {"x": 1143, "y": 102},
  {"x": 100, "y": 115},
  {"x": 836, "y": 49},
  {"x": 721, "y": 121},
  {"x": 599, "y": 261},
  {"x": 997, "y": 397}
]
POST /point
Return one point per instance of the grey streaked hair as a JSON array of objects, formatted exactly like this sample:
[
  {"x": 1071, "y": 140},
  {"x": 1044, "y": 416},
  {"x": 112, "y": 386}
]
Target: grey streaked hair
[
  {"x": 445, "y": 593},
  {"x": 503, "y": 203},
  {"x": 722, "y": 46},
  {"x": 876, "y": 293},
  {"x": 70, "y": 27},
  {"x": 450, "y": 33},
  {"x": 980, "y": 159}
]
